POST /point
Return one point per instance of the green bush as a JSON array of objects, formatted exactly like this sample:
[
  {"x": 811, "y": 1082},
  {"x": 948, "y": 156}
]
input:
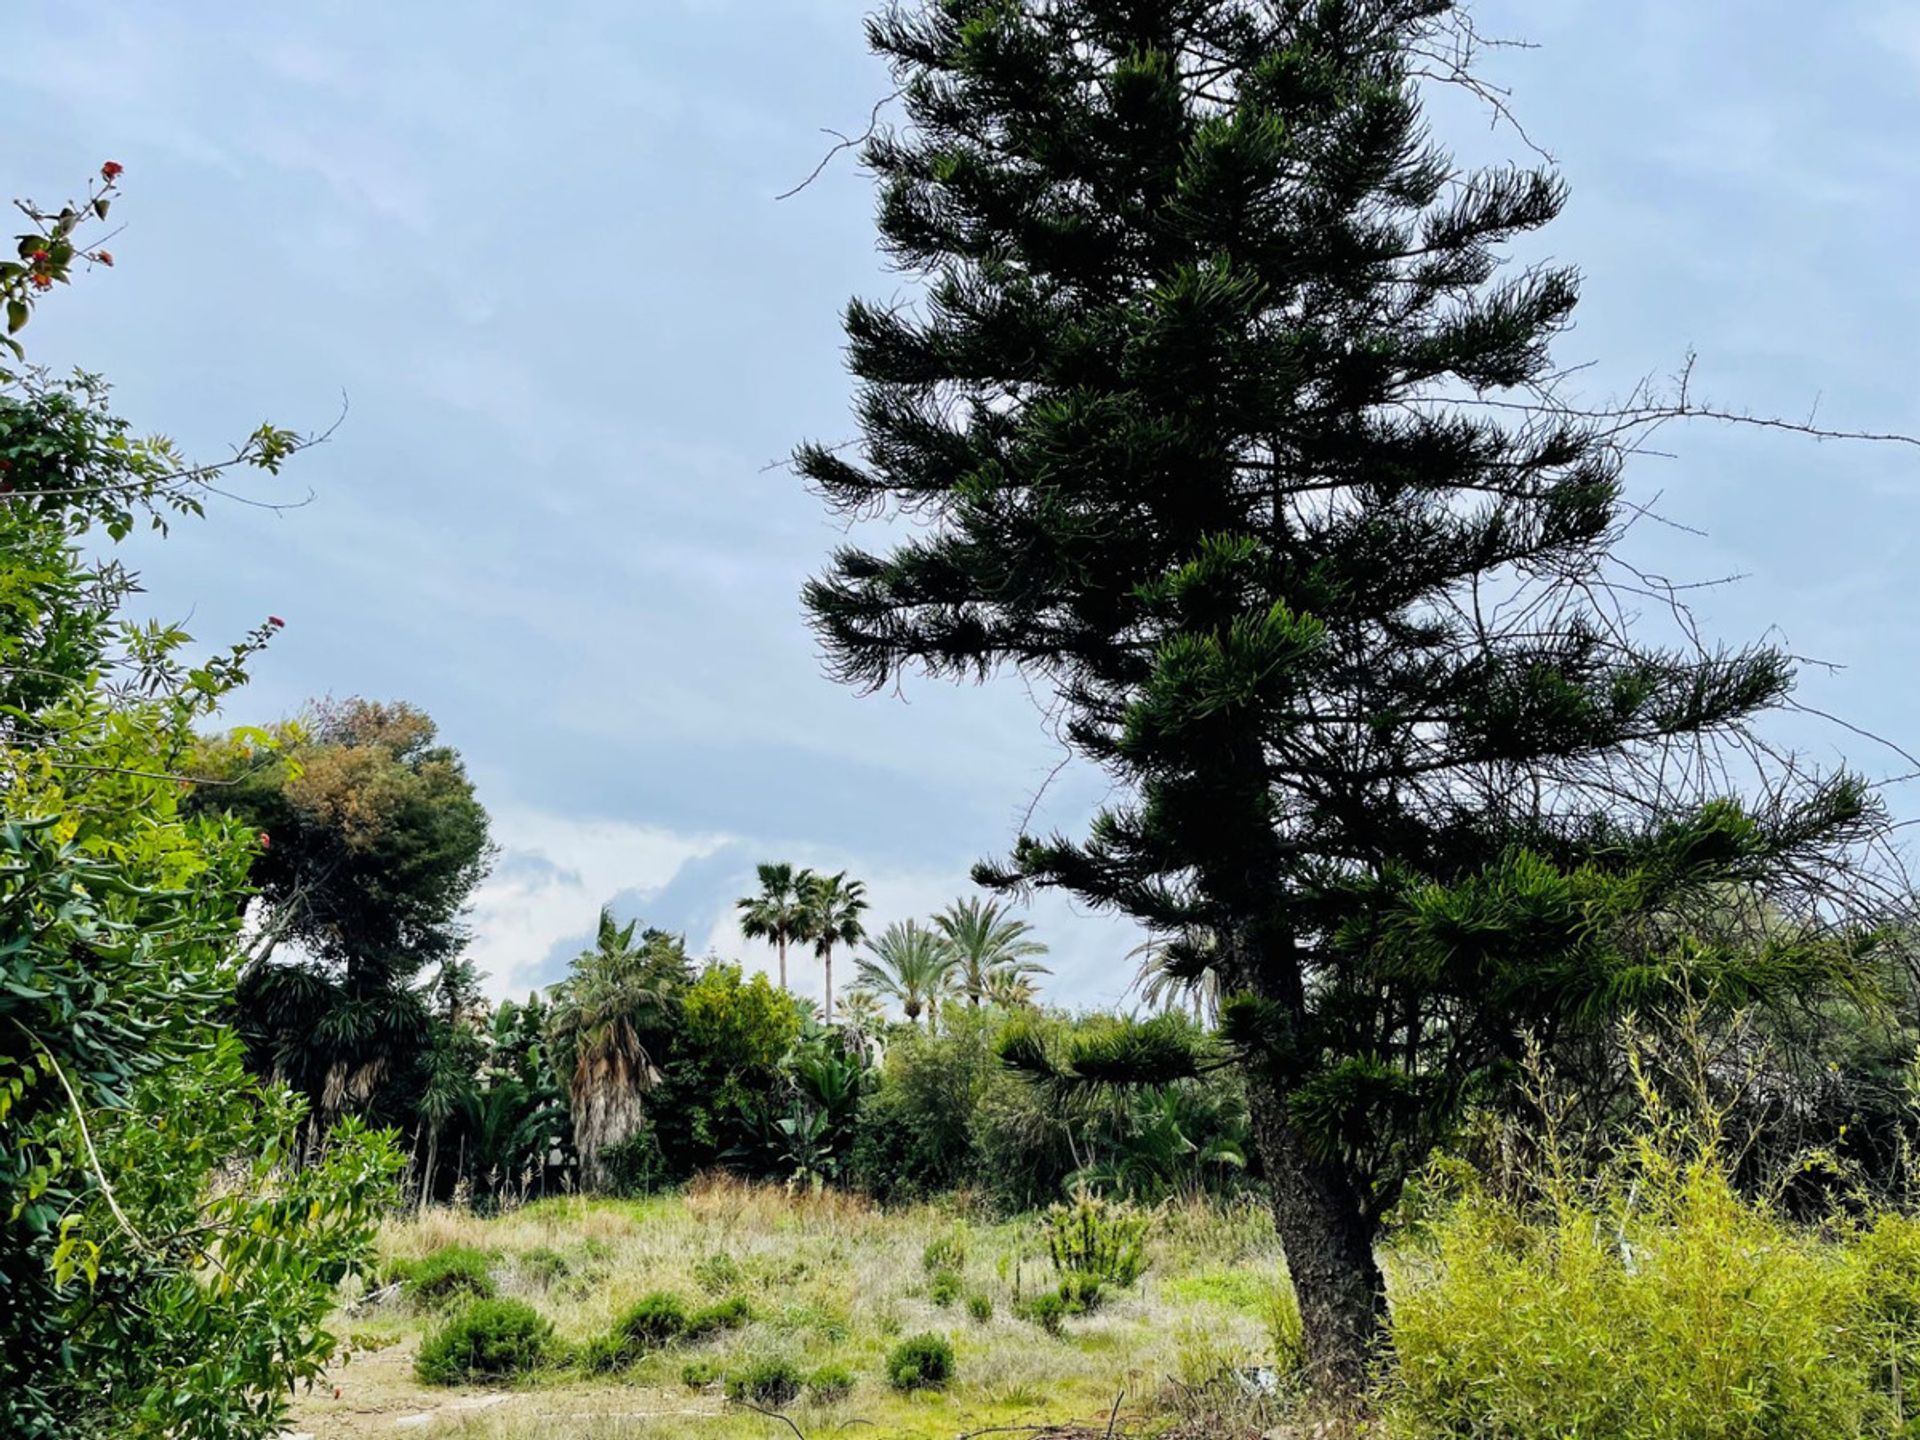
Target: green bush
[
  {"x": 1047, "y": 1310},
  {"x": 1098, "y": 1238},
  {"x": 980, "y": 1306},
  {"x": 488, "y": 1340},
  {"x": 946, "y": 1287},
  {"x": 458, "y": 1272},
  {"x": 769, "y": 1381},
  {"x": 728, "y": 1314},
  {"x": 830, "y": 1384},
  {"x": 1080, "y": 1293},
  {"x": 920, "y": 1362},
  {"x": 652, "y": 1322},
  {"x": 699, "y": 1374},
  {"x": 1655, "y": 1302}
]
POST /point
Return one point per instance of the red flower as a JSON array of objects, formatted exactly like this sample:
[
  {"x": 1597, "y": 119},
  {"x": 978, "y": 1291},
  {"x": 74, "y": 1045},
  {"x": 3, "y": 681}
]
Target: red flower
[
  {"x": 39, "y": 257},
  {"x": 276, "y": 622},
  {"x": 105, "y": 257},
  {"x": 43, "y": 282},
  {"x": 266, "y": 841},
  {"x": 111, "y": 170}
]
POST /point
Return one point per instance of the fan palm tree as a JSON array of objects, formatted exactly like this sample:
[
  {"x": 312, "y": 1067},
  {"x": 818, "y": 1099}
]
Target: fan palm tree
[
  {"x": 911, "y": 964},
  {"x": 985, "y": 941},
  {"x": 832, "y": 906},
  {"x": 1010, "y": 988},
  {"x": 602, "y": 1014},
  {"x": 778, "y": 913}
]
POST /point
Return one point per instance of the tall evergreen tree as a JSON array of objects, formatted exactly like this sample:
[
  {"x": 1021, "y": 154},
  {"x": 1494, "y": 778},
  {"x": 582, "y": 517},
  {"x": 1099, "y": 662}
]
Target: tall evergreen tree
[{"x": 1220, "y": 415}]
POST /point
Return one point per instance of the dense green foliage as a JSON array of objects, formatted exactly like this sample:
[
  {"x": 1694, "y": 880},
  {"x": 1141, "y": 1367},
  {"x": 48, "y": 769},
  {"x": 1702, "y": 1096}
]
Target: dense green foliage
[
  {"x": 488, "y": 1340},
  {"x": 920, "y": 1362},
  {"x": 1220, "y": 415},
  {"x": 165, "y": 1266}
]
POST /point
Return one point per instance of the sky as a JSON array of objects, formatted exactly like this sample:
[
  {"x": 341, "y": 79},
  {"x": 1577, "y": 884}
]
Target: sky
[{"x": 536, "y": 254}]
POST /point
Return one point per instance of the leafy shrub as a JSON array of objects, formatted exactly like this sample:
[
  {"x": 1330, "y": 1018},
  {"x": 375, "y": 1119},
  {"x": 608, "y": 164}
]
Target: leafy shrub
[
  {"x": 1098, "y": 1238},
  {"x": 652, "y": 1321},
  {"x": 542, "y": 1266},
  {"x": 1655, "y": 1301},
  {"x": 458, "y": 1272},
  {"x": 1047, "y": 1310},
  {"x": 947, "y": 1251},
  {"x": 980, "y": 1306},
  {"x": 947, "y": 1287},
  {"x": 920, "y": 1362},
  {"x": 488, "y": 1340},
  {"x": 1080, "y": 1293},
  {"x": 768, "y": 1381},
  {"x": 699, "y": 1374},
  {"x": 728, "y": 1314},
  {"x": 718, "y": 1273},
  {"x": 830, "y": 1384}
]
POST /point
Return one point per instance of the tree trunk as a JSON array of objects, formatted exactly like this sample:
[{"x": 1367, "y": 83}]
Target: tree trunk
[
  {"x": 826, "y": 955},
  {"x": 1329, "y": 1248},
  {"x": 782, "y": 945},
  {"x": 1317, "y": 1210},
  {"x": 426, "y": 1175}
]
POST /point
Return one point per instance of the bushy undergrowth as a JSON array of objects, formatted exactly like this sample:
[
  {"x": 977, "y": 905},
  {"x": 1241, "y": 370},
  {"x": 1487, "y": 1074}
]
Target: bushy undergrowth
[
  {"x": 920, "y": 1362},
  {"x": 1655, "y": 1302},
  {"x": 769, "y": 1381},
  {"x": 488, "y": 1340},
  {"x": 830, "y": 1384},
  {"x": 454, "y": 1274}
]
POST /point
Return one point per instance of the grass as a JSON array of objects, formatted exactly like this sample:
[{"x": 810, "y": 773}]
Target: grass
[{"x": 831, "y": 1285}]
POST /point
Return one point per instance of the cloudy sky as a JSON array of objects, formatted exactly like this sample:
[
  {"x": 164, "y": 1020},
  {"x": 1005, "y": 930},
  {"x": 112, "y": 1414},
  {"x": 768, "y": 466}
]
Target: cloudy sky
[{"x": 537, "y": 250}]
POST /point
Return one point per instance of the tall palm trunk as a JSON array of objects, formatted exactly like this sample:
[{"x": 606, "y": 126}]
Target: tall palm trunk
[
  {"x": 782, "y": 944},
  {"x": 826, "y": 956}
]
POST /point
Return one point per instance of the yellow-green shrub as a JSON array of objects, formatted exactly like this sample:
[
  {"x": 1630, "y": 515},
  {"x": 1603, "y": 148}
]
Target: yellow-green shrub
[{"x": 1655, "y": 1303}]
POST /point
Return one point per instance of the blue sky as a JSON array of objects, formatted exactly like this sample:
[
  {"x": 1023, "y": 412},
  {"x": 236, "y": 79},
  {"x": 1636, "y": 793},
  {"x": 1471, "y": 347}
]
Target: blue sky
[{"x": 537, "y": 249}]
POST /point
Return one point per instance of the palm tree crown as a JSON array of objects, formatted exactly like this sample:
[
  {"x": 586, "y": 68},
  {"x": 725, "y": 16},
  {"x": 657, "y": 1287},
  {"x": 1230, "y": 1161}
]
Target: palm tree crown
[
  {"x": 778, "y": 913},
  {"x": 614, "y": 996},
  {"x": 832, "y": 906},
  {"x": 987, "y": 941},
  {"x": 911, "y": 964}
]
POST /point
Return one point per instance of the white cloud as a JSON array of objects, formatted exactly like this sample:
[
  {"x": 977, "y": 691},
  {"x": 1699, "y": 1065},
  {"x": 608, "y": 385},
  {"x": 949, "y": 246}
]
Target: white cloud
[{"x": 552, "y": 877}]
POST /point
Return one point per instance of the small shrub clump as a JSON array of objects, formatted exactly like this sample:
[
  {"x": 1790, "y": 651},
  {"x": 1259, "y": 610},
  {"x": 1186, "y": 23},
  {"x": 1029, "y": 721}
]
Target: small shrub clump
[
  {"x": 456, "y": 1273},
  {"x": 946, "y": 1287},
  {"x": 488, "y": 1340},
  {"x": 699, "y": 1374},
  {"x": 1096, "y": 1237},
  {"x": 830, "y": 1384},
  {"x": 1047, "y": 1310},
  {"x": 654, "y": 1320},
  {"x": 920, "y": 1362},
  {"x": 728, "y": 1314},
  {"x": 980, "y": 1306},
  {"x": 772, "y": 1382},
  {"x": 1080, "y": 1292}
]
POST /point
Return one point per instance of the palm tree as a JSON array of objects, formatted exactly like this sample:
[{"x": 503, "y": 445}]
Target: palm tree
[
  {"x": 986, "y": 941},
  {"x": 832, "y": 906},
  {"x": 602, "y": 1014},
  {"x": 1179, "y": 971},
  {"x": 911, "y": 964},
  {"x": 1011, "y": 989},
  {"x": 777, "y": 913}
]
